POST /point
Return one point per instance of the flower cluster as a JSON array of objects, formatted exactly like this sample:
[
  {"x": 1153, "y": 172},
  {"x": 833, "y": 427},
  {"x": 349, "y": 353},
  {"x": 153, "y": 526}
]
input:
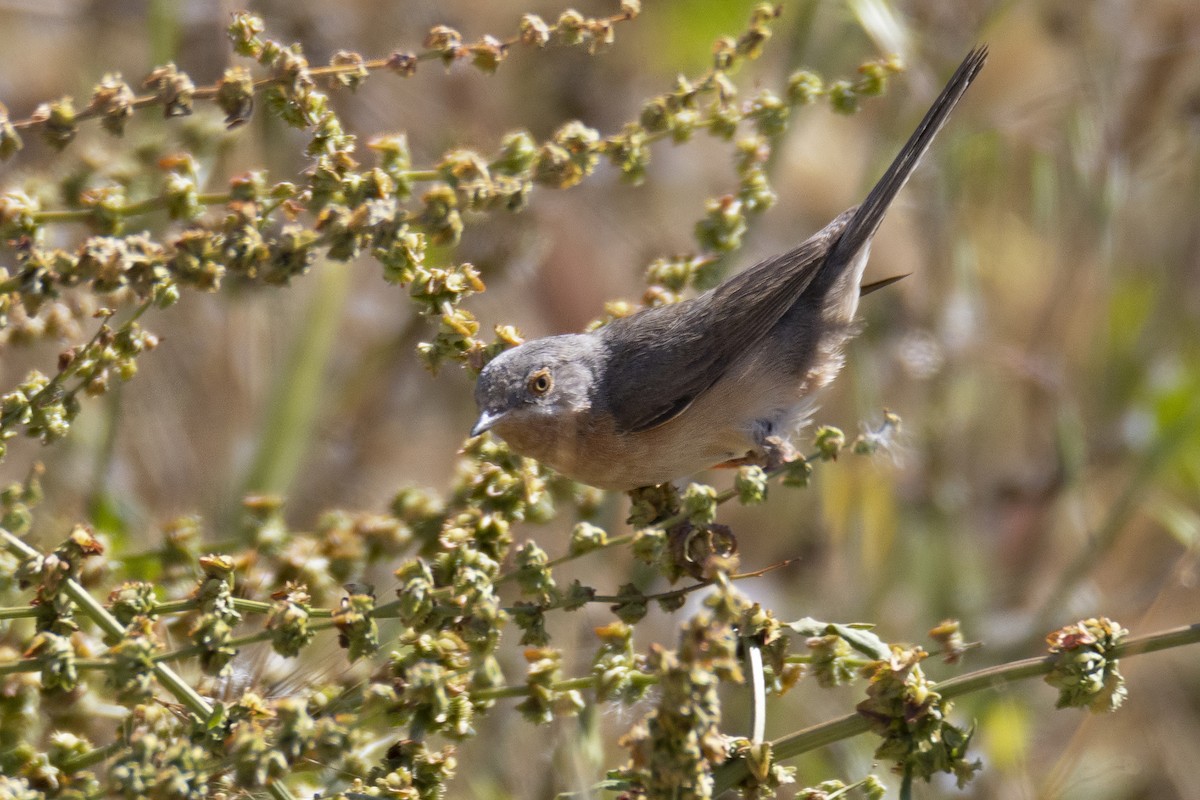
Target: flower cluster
[
  {"x": 674, "y": 749},
  {"x": 44, "y": 407},
  {"x": 1086, "y": 672},
  {"x": 215, "y": 616},
  {"x": 904, "y": 709}
]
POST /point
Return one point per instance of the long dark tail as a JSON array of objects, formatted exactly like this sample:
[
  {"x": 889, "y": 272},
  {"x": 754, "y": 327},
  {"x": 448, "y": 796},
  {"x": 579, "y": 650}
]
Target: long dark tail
[{"x": 865, "y": 222}]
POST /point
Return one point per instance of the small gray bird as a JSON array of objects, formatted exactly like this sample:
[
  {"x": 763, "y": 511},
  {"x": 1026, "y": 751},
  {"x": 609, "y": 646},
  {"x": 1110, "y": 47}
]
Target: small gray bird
[{"x": 724, "y": 377}]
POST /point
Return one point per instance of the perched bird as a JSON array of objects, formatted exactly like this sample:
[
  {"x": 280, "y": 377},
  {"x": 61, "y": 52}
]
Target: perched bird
[{"x": 727, "y": 376}]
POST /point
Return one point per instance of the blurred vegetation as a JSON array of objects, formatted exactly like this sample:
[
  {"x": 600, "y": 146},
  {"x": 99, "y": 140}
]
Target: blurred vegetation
[{"x": 1042, "y": 355}]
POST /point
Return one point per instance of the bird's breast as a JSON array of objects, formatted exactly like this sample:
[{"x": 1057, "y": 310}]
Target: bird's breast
[{"x": 719, "y": 425}]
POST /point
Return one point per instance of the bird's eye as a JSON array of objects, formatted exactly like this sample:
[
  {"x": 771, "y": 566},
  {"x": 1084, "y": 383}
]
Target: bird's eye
[{"x": 540, "y": 382}]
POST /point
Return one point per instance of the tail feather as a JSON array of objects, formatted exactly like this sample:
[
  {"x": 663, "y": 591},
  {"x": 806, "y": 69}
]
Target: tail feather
[
  {"x": 867, "y": 217},
  {"x": 867, "y": 288}
]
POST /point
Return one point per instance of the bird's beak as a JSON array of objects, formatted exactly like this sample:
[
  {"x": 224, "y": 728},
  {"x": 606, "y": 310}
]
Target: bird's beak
[{"x": 486, "y": 420}]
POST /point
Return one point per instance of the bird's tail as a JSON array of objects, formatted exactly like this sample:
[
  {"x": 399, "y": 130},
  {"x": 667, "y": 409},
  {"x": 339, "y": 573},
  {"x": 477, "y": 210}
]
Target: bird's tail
[{"x": 866, "y": 218}]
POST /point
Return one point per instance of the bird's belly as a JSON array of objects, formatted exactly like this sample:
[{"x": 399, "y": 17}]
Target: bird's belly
[
  {"x": 623, "y": 461},
  {"x": 727, "y": 422}
]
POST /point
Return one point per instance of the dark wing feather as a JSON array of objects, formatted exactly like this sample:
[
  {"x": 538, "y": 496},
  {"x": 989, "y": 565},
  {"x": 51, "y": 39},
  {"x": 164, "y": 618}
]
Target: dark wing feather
[{"x": 662, "y": 359}]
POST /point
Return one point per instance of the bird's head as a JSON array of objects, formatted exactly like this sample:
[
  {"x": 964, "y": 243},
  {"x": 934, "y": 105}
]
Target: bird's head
[{"x": 539, "y": 384}]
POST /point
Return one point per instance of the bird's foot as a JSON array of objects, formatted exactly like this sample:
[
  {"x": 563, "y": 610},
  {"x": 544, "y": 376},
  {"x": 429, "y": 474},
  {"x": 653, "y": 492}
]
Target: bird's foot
[
  {"x": 773, "y": 453},
  {"x": 776, "y": 451}
]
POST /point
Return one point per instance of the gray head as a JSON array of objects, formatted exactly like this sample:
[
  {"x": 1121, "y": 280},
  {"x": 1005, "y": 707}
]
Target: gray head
[{"x": 538, "y": 383}]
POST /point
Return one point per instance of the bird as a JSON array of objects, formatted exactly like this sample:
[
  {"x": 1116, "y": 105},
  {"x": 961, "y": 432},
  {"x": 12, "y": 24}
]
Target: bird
[{"x": 727, "y": 377}]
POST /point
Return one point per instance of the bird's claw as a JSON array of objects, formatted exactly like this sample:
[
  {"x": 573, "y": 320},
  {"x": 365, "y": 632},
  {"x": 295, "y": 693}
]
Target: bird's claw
[
  {"x": 773, "y": 452},
  {"x": 776, "y": 451}
]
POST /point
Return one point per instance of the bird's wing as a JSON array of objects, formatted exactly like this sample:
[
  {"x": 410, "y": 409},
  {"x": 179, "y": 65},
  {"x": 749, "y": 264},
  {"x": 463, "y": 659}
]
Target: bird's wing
[{"x": 661, "y": 360}]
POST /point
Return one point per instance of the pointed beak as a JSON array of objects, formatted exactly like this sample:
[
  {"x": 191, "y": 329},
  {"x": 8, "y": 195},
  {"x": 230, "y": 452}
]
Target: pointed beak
[{"x": 486, "y": 420}]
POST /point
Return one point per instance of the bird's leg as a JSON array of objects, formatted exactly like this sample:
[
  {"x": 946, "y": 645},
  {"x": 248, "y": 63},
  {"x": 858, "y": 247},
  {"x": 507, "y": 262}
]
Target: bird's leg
[
  {"x": 771, "y": 452},
  {"x": 776, "y": 451}
]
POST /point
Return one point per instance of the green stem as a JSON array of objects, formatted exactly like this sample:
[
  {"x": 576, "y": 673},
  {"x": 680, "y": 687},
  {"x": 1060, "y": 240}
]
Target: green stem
[
  {"x": 566, "y": 685},
  {"x": 17, "y": 612},
  {"x": 34, "y": 665},
  {"x": 235, "y": 642},
  {"x": 642, "y": 597},
  {"x": 93, "y": 757},
  {"x": 103, "y": 511},
  {"x": 63, "y": 215},
  {"x": 107, "y": 623},
  {"x": 179, "y": 688},
  {"x": 299, "y": 389},
  {"x": 163, "y": 26},
  {"x": 731, "y": 774}
]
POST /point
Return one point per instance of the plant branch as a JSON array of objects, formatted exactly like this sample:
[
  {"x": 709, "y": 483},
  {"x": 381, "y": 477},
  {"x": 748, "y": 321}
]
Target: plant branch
[
  {"x": 180, "y": 689},
  {"x": 732, "y": 773},
  {"x": 669, "y": 522},
  {"x": 396, "y": 61}
]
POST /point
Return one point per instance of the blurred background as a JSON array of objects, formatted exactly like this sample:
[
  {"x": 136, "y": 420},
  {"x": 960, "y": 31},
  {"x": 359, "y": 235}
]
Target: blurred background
[{"x": 1044, "y": 355}]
